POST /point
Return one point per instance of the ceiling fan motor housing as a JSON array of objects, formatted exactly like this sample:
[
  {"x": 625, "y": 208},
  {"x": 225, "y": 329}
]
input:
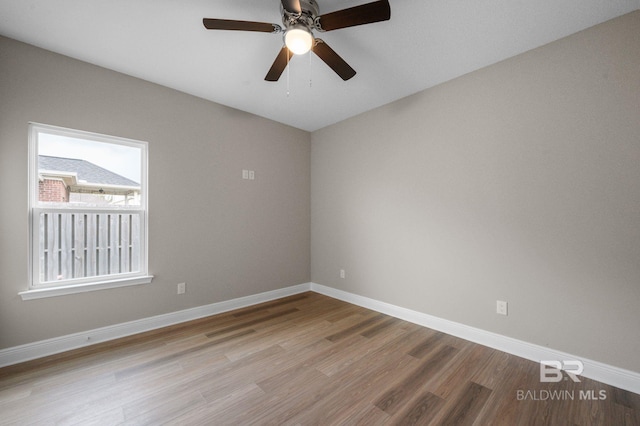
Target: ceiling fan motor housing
[{"x": 307, "y": 18}]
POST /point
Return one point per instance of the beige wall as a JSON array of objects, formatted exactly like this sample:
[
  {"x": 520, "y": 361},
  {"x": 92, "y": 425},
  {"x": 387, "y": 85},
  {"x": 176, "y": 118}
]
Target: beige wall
[
  {"x": 224, "y": 236},
  {"x": 518, "y": 182}
]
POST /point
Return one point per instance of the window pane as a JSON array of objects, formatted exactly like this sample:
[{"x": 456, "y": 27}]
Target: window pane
[
  {"x": 87, "y": 244},
  {"x": 79, "y": 172}
]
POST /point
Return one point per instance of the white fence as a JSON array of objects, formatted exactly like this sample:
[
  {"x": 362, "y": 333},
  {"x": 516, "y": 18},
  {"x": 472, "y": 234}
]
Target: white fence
[{"x": 79, "y": 244}]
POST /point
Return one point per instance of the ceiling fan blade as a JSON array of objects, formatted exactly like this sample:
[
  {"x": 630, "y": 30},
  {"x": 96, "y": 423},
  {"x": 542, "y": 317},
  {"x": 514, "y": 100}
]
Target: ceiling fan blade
[
  {"x": 292, "y": 6},
  {"x": 229, "y": 24},
  {"x": 358, "y": 15},
  {"x": 281, "y": 62},
  {"x": 331, "y": 58}
]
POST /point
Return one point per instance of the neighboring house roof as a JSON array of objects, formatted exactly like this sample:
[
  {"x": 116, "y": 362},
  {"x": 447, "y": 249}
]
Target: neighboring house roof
[{"x": 84, "y": 170}]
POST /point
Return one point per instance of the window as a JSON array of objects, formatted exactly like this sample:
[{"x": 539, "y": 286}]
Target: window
[{"x": 88, "y": 211}]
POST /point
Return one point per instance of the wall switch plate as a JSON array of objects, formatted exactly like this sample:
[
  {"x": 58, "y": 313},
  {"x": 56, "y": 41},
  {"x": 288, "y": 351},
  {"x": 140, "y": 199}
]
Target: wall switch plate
[
  {"x": 501, "y": 307},
  {"x": 342, "y": 274},
  {"x": 252, "y": 175},
  {"x": 245, "y": 174},
  {"x": 182, "y": 288}
]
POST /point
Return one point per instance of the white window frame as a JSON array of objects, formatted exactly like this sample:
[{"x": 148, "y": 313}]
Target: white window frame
[{"x": 39, "y": 289}]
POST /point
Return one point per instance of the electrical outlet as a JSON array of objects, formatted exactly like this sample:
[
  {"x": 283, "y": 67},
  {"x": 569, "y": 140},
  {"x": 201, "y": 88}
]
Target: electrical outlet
[
  {"x": 182, "y": 288},
  {"x": 252, "y": 174},
  {"x": 343, "y": 274},
  {"x": 501, "y": 307}
]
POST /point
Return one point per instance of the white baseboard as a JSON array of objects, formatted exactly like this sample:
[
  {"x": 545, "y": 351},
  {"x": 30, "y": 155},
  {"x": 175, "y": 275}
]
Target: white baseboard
[
  {"x": 27, "y": 352},
  {"x": 614, "y": 376}
]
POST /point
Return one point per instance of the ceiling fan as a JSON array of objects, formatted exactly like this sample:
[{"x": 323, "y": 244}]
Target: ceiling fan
[{"x": 300, "y": 19}]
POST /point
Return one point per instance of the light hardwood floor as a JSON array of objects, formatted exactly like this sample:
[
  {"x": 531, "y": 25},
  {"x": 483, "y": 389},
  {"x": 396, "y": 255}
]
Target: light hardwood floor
[{"x": 305, "y": 359}]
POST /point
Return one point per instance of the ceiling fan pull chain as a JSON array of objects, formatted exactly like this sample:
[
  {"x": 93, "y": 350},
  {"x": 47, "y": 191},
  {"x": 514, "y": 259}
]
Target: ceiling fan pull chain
[
  {"x": 310, "y": 70},
  {"x": 288, "y": 68}
]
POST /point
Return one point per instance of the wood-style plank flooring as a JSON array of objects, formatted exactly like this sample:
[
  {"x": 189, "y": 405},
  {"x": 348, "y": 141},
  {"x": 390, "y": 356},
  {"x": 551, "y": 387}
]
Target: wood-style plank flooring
[{"x": 305, "y": 359}]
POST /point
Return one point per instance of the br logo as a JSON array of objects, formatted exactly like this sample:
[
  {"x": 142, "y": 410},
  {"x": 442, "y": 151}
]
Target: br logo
[{"x": 551, "y": 371}]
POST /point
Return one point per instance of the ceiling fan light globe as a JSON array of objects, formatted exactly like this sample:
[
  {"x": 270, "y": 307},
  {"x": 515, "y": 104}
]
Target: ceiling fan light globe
[{"x": 299, "y": 41}]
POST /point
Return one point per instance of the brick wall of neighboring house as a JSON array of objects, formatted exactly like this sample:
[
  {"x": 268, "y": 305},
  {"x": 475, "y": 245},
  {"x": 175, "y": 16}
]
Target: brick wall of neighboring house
[{"x": 53, "y": 190}]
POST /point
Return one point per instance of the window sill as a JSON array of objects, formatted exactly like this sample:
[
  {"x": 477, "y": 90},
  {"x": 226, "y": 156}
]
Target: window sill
[{"x": 40, "y": 293}]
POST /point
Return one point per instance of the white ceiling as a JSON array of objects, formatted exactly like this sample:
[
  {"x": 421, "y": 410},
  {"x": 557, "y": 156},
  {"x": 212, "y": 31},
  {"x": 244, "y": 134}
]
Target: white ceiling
[{"x": 425, "y": 43}]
